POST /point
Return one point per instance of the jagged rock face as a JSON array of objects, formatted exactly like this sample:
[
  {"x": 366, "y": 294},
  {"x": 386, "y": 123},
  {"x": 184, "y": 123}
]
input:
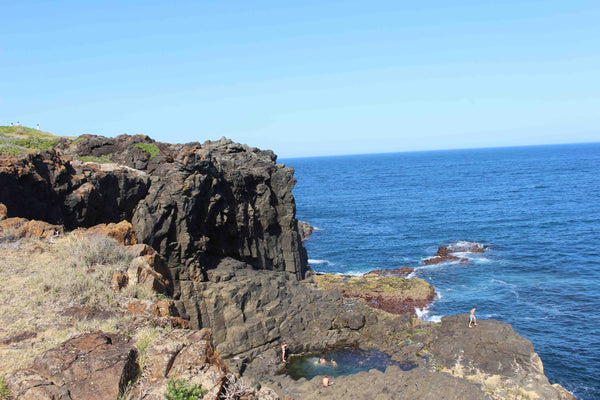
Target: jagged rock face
[
  {"x": 194, "y": 204},
  {"x": 249, "y": 311},
  {"x": 46, "y": 186}
]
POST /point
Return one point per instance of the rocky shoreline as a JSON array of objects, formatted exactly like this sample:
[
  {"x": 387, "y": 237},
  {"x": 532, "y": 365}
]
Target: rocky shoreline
[{"x": 209, "y": 232}]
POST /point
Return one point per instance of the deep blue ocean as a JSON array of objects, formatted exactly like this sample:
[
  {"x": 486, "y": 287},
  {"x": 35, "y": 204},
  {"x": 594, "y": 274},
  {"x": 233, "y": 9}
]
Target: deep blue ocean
[{"x": 536, "y": 209}]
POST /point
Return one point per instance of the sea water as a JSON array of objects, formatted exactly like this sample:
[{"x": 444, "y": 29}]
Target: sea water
[{"x": 536, "y": 209}]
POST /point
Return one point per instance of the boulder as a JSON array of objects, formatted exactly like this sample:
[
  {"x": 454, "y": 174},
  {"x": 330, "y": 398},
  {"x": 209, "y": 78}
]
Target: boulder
[
  {"x": 186, "y": 355},
  {"x": 93, "y": 366},
  {"x": 21, "y": 227},
  {"x": 3, "y": 212},
  {"x": 122, "y": 232},
  {"x": 149, "y": 271}
]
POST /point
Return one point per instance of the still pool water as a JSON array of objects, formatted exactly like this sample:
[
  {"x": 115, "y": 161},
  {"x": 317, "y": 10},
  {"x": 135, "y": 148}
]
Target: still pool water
[{"x": 349, "y": 361}]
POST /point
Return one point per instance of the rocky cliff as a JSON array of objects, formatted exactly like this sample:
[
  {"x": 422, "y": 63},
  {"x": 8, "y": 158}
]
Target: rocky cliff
[
  {"x": 221, "y": 217},
  {"x": 195, "y": 204}
]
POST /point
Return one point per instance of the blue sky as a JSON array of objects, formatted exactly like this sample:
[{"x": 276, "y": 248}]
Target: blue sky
[{"x": 306, "y": 78}]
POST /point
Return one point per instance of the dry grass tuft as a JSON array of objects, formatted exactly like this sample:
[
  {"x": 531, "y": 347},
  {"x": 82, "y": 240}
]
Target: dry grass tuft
[{"x": 41, "y": 280}]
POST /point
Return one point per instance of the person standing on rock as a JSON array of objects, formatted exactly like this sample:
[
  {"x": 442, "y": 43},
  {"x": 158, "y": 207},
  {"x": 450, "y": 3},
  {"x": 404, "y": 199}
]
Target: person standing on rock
[
  {"x": 472, "y": 319},
  {"x": 283, "y": 351}
]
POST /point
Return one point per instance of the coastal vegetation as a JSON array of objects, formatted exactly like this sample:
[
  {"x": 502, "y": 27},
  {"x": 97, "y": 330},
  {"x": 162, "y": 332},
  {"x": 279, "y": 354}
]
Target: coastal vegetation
[
  {"x": 178, "y": 389},
  {"x": 20, "y": 139},
  {"x": 149, "y": 148},
  {"x": 4, "y": 392},
  {"x": 103, "y": 159}
]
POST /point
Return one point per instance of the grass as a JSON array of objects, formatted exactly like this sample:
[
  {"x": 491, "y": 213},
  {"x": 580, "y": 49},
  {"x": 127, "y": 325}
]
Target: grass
[
  {"x": 145, "y": 337},
  {"x": 41, "y": 279},
  {"x": 17, "y": 140},
  {"x": 4, "y": 392},
  {"x": 104, "y": 159},
  {"x": 150, "y": 148}
]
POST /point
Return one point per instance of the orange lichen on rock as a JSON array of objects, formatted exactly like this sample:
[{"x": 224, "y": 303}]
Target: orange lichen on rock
[{"x": 122, "y": 232}]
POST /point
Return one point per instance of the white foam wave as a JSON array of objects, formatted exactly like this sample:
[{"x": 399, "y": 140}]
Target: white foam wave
[
  {"x": 313, "y": 261},
  {"x": 424, "y": 315},
  {"x": 437, "y": 265},
  {"x": 464, "y": 245},
  {"x": 503, "y": 283},
  {"x": 351, "y": 273}
]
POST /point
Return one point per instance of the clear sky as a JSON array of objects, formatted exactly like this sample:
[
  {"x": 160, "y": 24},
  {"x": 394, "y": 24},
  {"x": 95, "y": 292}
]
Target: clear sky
[{"x": 306, "y": 78}]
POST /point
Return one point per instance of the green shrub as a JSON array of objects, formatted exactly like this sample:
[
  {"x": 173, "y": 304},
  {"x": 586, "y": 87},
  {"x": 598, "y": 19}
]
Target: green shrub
[
  {"x": 4, "y": 392},
  {"x": 36, "y": 143},
  {"x": 177, "y": 389},
  {"x": 12, "y": 150},
  {"x": 17, "y": 140},
  {"x": 150, "y": 148}
]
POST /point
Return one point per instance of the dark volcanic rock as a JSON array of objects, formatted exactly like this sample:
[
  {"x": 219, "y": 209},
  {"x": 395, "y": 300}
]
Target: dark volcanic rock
[
  {"x": 446, "y": 253},
  {"x": 249, "y": 311},
  {"x": 194, "y": 204},
  {"x": 494, "y": 355},
  {"x": 393, "y": 384},
  {"x": 305, "y": 229}
]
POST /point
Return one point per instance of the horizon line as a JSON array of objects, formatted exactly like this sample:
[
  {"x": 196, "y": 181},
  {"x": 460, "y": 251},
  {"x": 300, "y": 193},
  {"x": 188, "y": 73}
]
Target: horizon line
[{"x": 440, "y": 150}]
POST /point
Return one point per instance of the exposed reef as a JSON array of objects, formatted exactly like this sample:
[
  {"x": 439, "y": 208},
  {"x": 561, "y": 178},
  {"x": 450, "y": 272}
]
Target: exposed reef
[
  {"x": 447, "y": 253},
  {"x": 385, "y": 291}
]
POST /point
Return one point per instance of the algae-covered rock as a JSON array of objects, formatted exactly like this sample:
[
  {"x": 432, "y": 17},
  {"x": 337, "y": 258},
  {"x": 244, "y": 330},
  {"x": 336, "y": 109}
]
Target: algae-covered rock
[{"x": 391, "y": 293}]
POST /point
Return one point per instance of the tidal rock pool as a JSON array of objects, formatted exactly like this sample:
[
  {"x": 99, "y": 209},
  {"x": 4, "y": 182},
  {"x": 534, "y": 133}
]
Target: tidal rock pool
[{"x": 347, "y": 362}]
